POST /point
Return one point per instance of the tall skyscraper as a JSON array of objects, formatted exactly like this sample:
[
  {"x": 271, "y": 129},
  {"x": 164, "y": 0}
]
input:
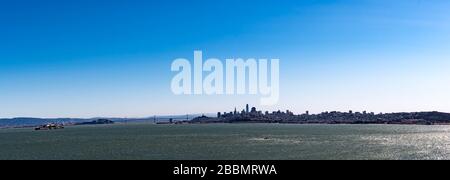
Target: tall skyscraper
[{"x": 247, "y": 109}]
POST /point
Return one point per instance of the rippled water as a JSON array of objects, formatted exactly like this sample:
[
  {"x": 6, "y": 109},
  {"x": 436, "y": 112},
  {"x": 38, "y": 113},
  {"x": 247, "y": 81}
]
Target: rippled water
[{"x": 229, "y": 142}]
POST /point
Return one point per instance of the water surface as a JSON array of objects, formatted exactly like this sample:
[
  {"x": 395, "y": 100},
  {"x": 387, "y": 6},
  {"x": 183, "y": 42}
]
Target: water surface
[{"x": 228, "y": 142}]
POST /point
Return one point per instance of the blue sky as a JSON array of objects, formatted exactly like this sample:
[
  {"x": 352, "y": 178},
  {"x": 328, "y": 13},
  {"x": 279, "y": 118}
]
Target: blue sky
[{"x": 89, "y": 58}]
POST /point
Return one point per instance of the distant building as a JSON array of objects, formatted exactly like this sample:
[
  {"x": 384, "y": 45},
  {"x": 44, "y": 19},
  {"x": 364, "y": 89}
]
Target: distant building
[
  {"x": 290, "y": 113},
  {"x": 247, "y": 109}
]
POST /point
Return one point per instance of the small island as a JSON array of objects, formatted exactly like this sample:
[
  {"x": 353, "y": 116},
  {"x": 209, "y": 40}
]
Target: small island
[
  {"x": 335, "y": 117},
  {"x": 96, "y": 122},
  {"x": 55, "y": 126}
]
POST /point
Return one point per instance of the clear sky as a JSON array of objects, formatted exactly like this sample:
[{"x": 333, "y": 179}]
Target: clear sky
[{"x": 90, "y": 58}]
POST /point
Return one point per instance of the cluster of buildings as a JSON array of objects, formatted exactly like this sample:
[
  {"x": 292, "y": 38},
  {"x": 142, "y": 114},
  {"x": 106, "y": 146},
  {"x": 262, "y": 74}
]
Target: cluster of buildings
[{"x": 252, "y": 115}]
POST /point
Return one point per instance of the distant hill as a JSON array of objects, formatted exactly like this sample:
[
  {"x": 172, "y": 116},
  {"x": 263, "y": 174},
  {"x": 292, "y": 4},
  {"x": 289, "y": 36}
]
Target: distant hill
[{"x": 25, "y": 121}]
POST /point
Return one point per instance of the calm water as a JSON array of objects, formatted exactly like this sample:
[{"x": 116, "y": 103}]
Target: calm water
[{"x": 228, "y": 142}]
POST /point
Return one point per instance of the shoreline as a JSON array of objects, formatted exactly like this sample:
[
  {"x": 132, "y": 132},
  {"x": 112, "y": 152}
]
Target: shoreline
[{"x": 400, "y": 124}]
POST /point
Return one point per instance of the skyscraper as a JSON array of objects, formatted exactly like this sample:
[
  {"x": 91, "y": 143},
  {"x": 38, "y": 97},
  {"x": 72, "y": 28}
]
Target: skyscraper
[
  {"x": 253, "y": 110},
  {"x": 247, "y": 109}
]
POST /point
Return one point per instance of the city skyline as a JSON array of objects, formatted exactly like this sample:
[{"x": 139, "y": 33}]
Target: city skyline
[
  {"x": 83, "y": 59},
  {"x": 329, "y": 117},
  {"x": 247, "y": 109}
]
